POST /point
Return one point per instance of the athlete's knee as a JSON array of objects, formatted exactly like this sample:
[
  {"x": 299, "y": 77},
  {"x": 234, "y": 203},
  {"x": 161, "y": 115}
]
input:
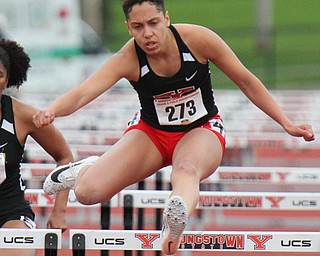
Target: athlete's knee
[
  {"x": 185, "y": 168},
  {"x": 90, "y": 194},
  {"x": 87, "y": 195},
  {"x": 83, "y": 196}
]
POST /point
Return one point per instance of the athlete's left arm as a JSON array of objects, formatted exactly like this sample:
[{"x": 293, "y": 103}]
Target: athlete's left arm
[
  {"x": 53, "y": 142},
  {"x": 208, "y": 45},
  {"x": 57, "y": 218}
]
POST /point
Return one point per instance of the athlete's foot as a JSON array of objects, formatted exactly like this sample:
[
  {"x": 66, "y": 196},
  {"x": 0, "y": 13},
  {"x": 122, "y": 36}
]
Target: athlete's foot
[
  {"x": 174, "y": 222},
  {"x": 65, "y": 176}
]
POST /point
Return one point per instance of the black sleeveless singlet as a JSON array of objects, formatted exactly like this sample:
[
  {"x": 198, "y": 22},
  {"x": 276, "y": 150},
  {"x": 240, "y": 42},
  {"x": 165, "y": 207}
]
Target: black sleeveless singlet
[
  {"x": 178, "y": 103},
  {"x": 12, "y": 189}
]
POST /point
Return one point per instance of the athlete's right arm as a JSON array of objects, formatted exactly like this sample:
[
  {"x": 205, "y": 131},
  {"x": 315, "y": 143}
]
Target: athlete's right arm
[{"x": 118, "y": 66}]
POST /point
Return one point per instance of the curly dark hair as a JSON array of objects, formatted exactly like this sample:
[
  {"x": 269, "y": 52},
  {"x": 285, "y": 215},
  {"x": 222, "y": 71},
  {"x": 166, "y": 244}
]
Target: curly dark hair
[{"x": 15, "y": 60}]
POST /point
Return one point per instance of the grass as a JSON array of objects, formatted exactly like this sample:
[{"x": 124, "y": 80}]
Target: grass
[{"x": 293, "y": 60}]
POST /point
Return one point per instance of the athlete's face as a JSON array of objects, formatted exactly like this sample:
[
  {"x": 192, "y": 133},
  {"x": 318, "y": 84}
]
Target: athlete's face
[
  {"x": 148, "y": 26},
  {"x": 3, "y": 77}
]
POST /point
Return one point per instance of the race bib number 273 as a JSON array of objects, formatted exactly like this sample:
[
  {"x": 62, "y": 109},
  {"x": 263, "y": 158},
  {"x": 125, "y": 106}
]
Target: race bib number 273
[{"x": 180, "y": 111}]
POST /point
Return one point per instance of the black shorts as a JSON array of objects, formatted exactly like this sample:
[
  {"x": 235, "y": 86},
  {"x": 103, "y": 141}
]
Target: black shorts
[{"x": 23, "y": 213}]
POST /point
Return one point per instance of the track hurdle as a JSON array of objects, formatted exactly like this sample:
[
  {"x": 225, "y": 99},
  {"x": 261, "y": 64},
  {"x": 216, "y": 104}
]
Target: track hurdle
[
  {"x": 220, "y": 200},
  {"x": 269, "y": 175},
  {"x": 38, "y": 198},
  {"x": 224, "y": 199},
  {"x": 265, "y": 175},
  {"x": 150, "y": 240},
  {"x": 47, "y": 239}
]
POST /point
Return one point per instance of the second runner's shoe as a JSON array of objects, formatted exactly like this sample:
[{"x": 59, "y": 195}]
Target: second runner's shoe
[
  {"x": 65, "y": 176},
  {"x": 174, "y": 222}
]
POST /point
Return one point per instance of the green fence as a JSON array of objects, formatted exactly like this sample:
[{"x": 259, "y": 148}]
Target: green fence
[{"x": 291, "y": 62}]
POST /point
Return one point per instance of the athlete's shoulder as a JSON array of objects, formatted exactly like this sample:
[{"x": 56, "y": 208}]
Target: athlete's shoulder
[
  {"x": 196, "y": 35},
  {"x": 129, "y": 59},
  {"x": 199, "y": 39},
  {"x": 20, "y": 104},
  {"x": 127, "y": 50},
  {"x": 22, "y": 110},
  {"x": 186, "y": 29}
]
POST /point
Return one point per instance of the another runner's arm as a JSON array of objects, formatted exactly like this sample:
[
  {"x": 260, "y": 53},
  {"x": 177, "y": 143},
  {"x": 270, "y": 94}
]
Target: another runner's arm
[{"x": 53, "y": 142}]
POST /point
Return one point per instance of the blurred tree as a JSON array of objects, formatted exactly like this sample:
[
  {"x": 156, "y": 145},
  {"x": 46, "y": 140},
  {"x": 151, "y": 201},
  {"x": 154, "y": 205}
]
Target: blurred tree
[
  {"x": 92, "y": 12},
  {"x": 107, "y": 19},
  {"x": 3, "y": 26},
  {"x": 264, "y": 21}
]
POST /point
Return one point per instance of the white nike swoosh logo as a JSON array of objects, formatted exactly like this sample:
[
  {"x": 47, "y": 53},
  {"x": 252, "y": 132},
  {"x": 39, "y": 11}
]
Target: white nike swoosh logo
[
  {"x": 189, "y": 78},
  {"x": 1, "y": 146}
]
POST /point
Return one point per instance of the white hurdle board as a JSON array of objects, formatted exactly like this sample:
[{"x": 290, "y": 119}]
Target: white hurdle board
[
  {"x": 196, "y": 240},
  {"x": 267, "y": 175},
  {"x": 208, "y": 200},
  {"x": 227, "y": 200},
  {"x": 38, "y": 198},
  {"x": 30, "y": 238}
]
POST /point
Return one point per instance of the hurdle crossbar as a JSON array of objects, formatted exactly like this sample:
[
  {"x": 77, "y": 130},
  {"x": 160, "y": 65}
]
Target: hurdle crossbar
[
  {"x": 266, "y": 175},
  {"x": 38, "y": 198},
  {"x": 150, "y": 240},
  {"x": 36, "y": 171},
  {"x": 223, "y": 174},
  {"x": 208, "y": 200},
  {"x": 48, "y": 239},
  {"x": 227, "y": 200}
]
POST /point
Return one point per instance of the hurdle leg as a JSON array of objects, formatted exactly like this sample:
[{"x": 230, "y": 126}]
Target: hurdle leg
[
  {"x": 105, "y": 221},
  {"x": 51, "y": 244},
  {"x": 159, "y": 184},
  {"x": 140, "y": 214},
  {"x": 78, "y": 245},
  {"x": 128, "y": 217}
]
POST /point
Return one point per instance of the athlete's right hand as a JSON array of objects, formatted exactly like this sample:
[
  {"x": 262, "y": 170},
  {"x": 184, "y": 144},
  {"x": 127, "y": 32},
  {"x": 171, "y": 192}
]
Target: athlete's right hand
[{"x": 43, "y": 118}]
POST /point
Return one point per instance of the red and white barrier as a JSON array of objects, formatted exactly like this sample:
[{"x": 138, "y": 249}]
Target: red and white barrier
[
  {"x": 30, "y": 238},
  {"x": 149, "y": 240},
  {"x": 38, "y": 198},
  {"x": 285, "y": 175},
  {"x": 208, "y": 200},
  {"x": 228, "y": 200}
]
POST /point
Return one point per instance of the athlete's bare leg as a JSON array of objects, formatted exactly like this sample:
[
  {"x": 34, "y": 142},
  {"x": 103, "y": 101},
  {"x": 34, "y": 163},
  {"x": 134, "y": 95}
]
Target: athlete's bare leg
[
  {"x": 197, "y": 155},
  {"x": 133, "y": 158}
]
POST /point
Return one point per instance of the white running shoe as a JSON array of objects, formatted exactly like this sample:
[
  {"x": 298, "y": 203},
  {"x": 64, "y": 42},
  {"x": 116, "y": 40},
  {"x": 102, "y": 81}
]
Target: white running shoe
[
  {"x": 65, "y": 176},
  {"x": 174, "y": 222}
]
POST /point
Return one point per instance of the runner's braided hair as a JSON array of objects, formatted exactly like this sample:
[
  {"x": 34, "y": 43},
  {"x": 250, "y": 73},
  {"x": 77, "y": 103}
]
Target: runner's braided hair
[{"x": 15, "y": 60}]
